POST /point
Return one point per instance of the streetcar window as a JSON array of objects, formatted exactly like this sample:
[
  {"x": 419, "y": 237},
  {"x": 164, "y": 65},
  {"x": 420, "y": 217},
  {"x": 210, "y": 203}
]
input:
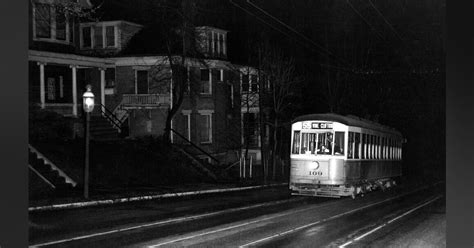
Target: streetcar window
[
  {"x": 308, "y": 144},
  {"x": 389, "y": 148},
  {"x": 363, "y": 146},
  {"x": 382, "y": 145},
  {"x": 296, "y": 142},
  {"x": 325, "y": 141},
  {"x": 357, "y": 146},
  {"x": 379, "y": 148},
  {"x": 374, "y": 147},
  {"x": 350, "y": 145},
  {"x": 304, "y": 143},
  {"x": 339, "y": 143},
  {"x": 398, "y": 149},
  {"x": 369, "y": 144}
]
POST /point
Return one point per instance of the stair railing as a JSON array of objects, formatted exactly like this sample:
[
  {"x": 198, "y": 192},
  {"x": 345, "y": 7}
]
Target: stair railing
[
  {"x": 195, "y": 146},
  {"x": 110, "y": 116}
]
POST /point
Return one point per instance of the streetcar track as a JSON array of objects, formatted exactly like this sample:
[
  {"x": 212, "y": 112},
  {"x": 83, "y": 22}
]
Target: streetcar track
[
  {"x": 360, "y": 237},
  {"x": 169, "y": 221},
  {"x": 273, "y": 216}
]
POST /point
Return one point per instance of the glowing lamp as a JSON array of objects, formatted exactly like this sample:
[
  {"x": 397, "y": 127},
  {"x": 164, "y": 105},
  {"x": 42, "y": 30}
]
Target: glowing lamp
[{"x": 88, "y": 100}]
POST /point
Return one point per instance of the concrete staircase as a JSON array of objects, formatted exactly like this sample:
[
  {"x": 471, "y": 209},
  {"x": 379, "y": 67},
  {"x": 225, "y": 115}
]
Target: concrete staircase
[
  {"x": 101, "y": 129},
  {"x": 49, "y": 173}
]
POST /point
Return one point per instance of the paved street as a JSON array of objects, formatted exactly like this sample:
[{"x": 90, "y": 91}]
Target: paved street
[{"x": 266, "y": 218}]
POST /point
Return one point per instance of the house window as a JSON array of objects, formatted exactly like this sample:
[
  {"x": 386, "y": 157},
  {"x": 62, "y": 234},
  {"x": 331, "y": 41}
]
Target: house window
[
  {"x": 253, "y": 80},
  {"x": 221, "y": 44},
  {"x": 187, "y": 123},
  {"x": 71, "y": 30},
  {"x": 210, "y": 42},
  {"x": 205, "y": 82},
  {"x": 250, "y": 127},
  {"x": 110, "y": 78},
  {"x": 43, "y": 20},
  {"x": 205, "y": 126},
  {"x": 110, "y": 36},
  {"x": 141, "y": 84},
  {"x": 60, "y": 25},
  {"x": 61, "y": 87},
  {"x": 51, "y": 24},
  {"x": 245, "y": 83},
  {"x": 51, "y": 89},
  {"x": 216, "y": 75},
  {"x": 216, "y": 43},
  {"x": 86, "y": 37},
  {"x": 98, "y": 42}
]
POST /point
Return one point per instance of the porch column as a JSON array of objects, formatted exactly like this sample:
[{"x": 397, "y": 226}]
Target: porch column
[
  {"x": 102, "y": 88},
  {"x": 74, "y": 89},
  {"x": 42, "y": 91}
]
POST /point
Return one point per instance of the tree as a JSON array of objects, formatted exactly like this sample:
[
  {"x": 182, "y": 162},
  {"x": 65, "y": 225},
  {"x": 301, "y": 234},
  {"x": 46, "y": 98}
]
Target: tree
[
  {"x": 279, "y": 85},
  {"x": 171, "y": 25}
]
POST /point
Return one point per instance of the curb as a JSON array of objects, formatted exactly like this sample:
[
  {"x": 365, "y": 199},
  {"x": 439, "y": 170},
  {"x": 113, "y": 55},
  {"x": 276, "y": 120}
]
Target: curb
[{"x": 143, "y": 198}]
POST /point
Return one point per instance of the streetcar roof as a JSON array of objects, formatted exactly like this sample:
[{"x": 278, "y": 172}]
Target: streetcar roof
[{"x": 349, "y": 120}]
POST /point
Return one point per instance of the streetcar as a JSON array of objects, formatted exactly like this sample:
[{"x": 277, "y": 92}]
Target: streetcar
[{"x": 334, "y": 156}]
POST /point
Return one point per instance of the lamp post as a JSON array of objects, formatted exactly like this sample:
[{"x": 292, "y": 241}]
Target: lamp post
[{"x": 88, "y": 106}]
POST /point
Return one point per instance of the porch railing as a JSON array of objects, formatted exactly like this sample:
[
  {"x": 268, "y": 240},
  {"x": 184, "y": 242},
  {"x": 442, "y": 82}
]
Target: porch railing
[{"x": 145, "y": 100}]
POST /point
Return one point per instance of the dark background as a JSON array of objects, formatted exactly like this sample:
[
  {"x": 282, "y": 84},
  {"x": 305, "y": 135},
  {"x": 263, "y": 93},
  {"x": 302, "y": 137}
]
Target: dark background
[
  {"x": 379, "y": 60},
  {"x": 411, "y": 118}
]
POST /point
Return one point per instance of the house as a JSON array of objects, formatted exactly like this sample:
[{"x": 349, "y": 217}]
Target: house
[{"x": 219, "y": 112}]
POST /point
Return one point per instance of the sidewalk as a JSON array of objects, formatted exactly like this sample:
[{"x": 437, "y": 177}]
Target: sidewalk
[{"x": 107, "y": 197}]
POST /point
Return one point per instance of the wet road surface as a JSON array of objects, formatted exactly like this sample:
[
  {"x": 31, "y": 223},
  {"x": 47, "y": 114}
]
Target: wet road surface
[{"x": 268, "y": 219}]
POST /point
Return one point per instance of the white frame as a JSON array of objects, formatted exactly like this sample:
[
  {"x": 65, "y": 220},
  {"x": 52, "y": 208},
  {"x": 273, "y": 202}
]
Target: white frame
[{"x": 207, "y": 113}]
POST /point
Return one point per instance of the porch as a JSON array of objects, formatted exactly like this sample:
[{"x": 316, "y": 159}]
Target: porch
[{"x": 57, "y": 81}]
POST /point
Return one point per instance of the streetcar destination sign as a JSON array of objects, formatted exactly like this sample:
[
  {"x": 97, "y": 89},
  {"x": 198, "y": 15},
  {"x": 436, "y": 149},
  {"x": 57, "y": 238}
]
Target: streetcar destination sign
[{"x": 317, "y": 125}]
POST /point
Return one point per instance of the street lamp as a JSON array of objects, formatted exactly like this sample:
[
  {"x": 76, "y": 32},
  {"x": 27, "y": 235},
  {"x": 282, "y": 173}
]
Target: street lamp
[{"x": 88, "y": 106}]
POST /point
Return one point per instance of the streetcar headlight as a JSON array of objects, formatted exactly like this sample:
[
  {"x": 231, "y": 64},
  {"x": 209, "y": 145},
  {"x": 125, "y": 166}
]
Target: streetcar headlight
[{"x": 314, "y": 165}]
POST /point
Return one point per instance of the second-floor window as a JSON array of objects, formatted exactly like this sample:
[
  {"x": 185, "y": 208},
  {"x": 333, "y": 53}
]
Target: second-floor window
[
  {"x": 86, "y": 37},
  {"x": 205, "y": 82},
  {"x": 51, "y": 24},
  {"x": 98, "y": 39},
  {"x": 43, "y": 20},
  {"x": 110, "y": 36},
  {"x": 98, "y": 36},
  {"x": 216, "y": 44}
]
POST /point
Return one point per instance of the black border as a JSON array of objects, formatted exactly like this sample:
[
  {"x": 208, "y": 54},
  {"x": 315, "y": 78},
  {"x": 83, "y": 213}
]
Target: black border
[
  {"x": 13, "y": 112},
  {"x": 459, "y": 124},
  {"x": 459, "y": 108}
]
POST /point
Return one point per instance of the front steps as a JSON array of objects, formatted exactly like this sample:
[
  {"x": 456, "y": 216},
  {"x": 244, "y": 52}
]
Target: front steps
[
  {"x": 49, "y": 174},
  {"x": 101, "y": 129}
]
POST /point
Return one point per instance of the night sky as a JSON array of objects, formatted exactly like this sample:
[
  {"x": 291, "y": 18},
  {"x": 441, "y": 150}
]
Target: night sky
[{"x": 380, "y": 60}]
